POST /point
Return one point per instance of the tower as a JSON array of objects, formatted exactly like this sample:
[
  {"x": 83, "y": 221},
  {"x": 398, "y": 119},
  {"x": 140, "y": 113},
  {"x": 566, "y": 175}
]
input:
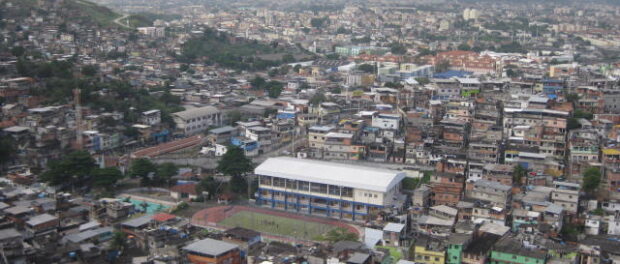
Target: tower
[{"x": 78, "y": 118}]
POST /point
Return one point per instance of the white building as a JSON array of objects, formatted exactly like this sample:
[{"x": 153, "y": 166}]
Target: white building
[
  {"x": 197, "y": 120},
  {"x": 155, "y": 32},
  {"x": 327, "y": 189},
  {"x": 386, "y": 121},
  {"x": 151, "y": 117}
]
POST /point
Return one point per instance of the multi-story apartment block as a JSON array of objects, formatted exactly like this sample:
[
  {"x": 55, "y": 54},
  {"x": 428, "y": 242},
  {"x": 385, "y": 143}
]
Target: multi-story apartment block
[
  {"x": 446, "y": 188},
  {"x": 566, "y": 194}
]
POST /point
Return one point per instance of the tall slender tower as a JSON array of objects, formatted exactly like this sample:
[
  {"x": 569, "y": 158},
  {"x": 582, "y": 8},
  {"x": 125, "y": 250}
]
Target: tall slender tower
[{"x": 78, "y": 118}]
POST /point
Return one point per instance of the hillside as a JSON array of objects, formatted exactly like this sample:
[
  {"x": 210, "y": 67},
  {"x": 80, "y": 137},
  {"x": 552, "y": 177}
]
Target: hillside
[{"x": 75, "y": 11}]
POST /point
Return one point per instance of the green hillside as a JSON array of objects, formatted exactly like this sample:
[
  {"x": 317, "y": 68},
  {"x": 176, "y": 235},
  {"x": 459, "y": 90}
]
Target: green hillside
[
  {"x": 85, "y": 11},
  {"x": 78, "y": 11}
]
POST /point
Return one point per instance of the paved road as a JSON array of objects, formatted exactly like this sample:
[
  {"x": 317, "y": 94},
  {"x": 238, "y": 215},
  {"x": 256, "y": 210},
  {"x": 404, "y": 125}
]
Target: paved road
[
  {"x": 211, "y": 162},
  {"x": 118, "y": 21}
]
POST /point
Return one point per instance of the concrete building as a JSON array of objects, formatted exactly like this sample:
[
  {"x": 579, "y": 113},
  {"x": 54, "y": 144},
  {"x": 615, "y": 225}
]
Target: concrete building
[
  {"x": 211, "y": 251},
  {"x": 327, "y": 189},
  {"x": 197, "y": 120},
  {"x": 494, "y": 192}
]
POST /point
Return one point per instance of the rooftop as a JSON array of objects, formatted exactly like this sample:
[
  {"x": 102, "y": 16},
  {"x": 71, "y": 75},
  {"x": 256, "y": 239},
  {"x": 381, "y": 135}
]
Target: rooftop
[
  {"x": 394, "y": 227},
  {"x": 40, "y": 219},
  {"x": 138, "y": 222},
  {"x": 359, "y": 177},
  {"x": 210, "y": 247},
  {"x": 196, "y": 112},
  {"x": 513, "y": 246}
]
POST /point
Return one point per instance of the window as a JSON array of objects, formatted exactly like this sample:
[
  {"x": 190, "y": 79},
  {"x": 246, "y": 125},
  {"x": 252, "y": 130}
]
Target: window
[
  {"x": 279, "y": 182},
  {"x": 346, "y": 192},
  {"x": 303, "y": 186},
  {"x": 291, "y": 184},
  {"x": 265, "y": 180},
  {"x": 318, "y": 188},
  {"x": 334, "y": 190}
]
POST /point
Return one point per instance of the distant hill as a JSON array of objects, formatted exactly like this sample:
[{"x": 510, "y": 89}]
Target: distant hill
[
  {"x": 78, "y": 11},
  {"x": 146, "y": 19}
]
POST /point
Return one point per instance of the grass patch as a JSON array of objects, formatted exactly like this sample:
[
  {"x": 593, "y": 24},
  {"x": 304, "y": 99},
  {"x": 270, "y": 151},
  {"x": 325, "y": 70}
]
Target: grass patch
[
  {"x": 277, "y": 225},
  {"x": 395, "y": 253}
]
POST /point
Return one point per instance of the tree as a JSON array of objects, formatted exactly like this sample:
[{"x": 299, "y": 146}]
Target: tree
[
  {"x": 397, "y": 48},
  {"x": 296, "y": 68},
  {"x": 591, "y": 179},
  {"x": 165, "y": 172},
  {"x": 317, "y": 99},
  {"x": 572, "y": 98},
  {"x": 118, "y": 241},
  {"x": 464, "y": 46},
  {"x": 442, "y": 66},
  {"x": 340, "y": 234},
  {"x": 572, "y": 123},
  {"x": 234, "y": 162},
  {"x": 395, "y": 85},
  {"x": 6, "y": 149},
  {"x": 208, "y": 184},
  {"x": 342, "y": 30},
  {"x": 184, "y": 67},
  {"x": 319, "y": 22},
  {"x": 108, "y": 122},
  {"x": 274, "y": 88},
  {"x": 583, "y": 114},
  {"x": 410, "y": 183},
  {"x": 332, "y": 56},
  {"x": 284, "y": 69},
  {"x": 234, "y": 116},
  {"x": 272, "y": 73},
  {"x": 258, "y": 82},
  {"x": 141, "y": 168},
  {"x": 106, "y": 178},
  {"x": 18, "y": 51},
  {"x": 288, "y": 58},
  {"x": 238, "y": 185},
  {"x": 73, "y": 169},
  {"x": 368, "y": 68},
  {"x": 423, "y": 80},
  {"x": 131, "y": 132},
  {"x": 89, "y": 70},
  {"x": 518, "y": 173}
]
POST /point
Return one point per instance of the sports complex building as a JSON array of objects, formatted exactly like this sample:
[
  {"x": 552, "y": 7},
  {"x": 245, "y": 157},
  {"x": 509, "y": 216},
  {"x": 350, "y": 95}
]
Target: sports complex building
[{"x": 327, "y": 189}]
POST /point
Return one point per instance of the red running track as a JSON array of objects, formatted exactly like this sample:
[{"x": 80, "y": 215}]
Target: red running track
[{"x": 212, "y": 216}]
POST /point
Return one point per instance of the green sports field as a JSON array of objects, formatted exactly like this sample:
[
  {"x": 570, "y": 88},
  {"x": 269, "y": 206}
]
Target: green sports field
[{"x": 276, "y": 225}]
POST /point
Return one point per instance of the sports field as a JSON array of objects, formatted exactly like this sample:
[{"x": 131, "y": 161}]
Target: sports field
[{"x": 276, "y": 225}]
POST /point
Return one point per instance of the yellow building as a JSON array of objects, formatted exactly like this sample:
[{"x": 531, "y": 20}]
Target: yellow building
[{"x": 429, "y": 250}]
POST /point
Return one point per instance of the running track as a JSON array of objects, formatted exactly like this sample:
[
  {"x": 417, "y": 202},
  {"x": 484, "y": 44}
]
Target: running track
[{"x": 214, "y": 215}]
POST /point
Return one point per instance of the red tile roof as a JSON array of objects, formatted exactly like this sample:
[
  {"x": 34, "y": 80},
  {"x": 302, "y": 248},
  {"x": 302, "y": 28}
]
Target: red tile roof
[
  {"x": 163, "y": 217},
  {"x": 168, "y": 147}
]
